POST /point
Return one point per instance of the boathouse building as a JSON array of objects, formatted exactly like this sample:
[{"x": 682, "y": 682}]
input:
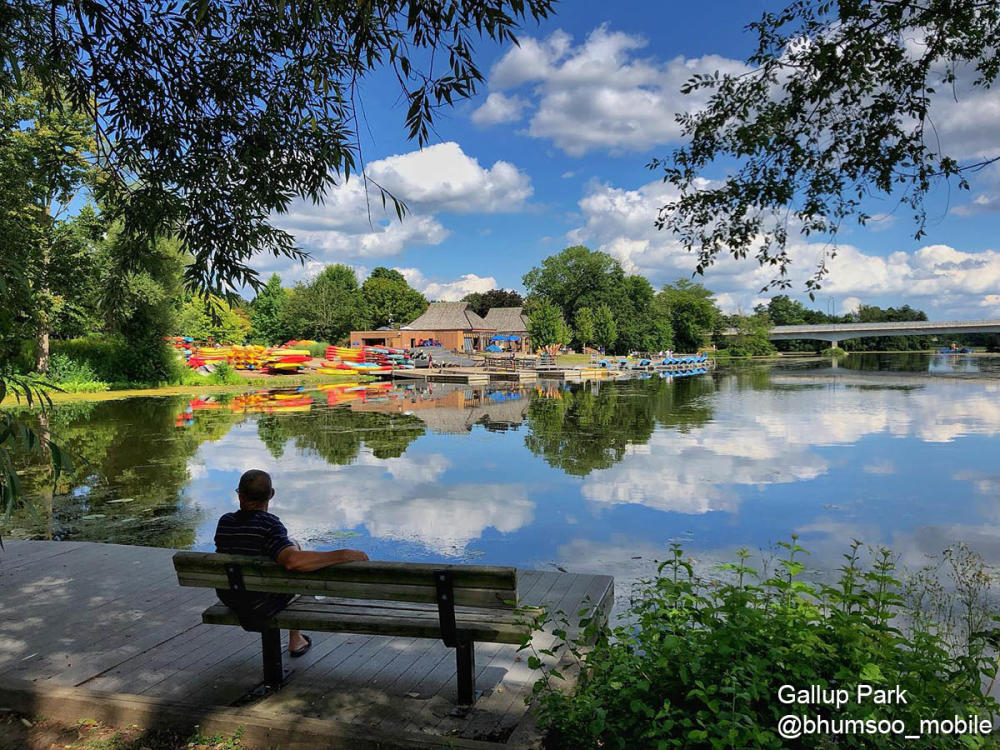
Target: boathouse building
[{"x": 453, "y": 324}]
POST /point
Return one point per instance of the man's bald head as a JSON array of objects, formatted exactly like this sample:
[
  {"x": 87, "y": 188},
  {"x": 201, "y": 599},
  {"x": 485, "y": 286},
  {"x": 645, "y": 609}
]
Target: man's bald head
[{"x": 255, "y": 489}]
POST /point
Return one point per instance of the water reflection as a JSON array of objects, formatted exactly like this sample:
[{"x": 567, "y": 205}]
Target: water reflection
[
  {"x": 598, "y": 476},
  {"x": 595, "y": 426},
  {"x": 921, "y": 362}
]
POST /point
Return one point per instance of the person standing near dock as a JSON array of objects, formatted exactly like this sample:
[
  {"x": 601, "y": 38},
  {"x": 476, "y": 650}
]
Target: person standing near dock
[{"x": 252, "y": 530}]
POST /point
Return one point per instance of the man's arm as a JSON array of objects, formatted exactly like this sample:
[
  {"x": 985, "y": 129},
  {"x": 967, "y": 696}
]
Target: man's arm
[{"x": 306, "y": 561}]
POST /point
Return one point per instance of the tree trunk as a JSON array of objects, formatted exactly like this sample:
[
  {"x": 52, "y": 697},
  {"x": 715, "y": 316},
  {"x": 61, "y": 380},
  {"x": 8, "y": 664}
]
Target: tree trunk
[
  {"x": 42, "y": 346},
  {"x": 44, "y": 301}
]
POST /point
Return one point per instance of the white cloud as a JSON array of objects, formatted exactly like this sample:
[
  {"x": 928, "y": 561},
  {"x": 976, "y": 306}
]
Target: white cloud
[
  {"x": 499, "y": 108},
  {"x": 443, "y": 178},
  {"x": 598, "y": 95},
  {"x": 850, "y": 305},
  {"x": 447, "y": 291},
  {"x": 352, "y": 223},
  {"x": 454, "y": 290},
  {"x": 944, "y": 280}
]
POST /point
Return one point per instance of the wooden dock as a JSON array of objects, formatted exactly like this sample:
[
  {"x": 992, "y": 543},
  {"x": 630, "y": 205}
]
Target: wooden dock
[
  {"x": 443, "y": 376},
  {"x": 103, "y": 627},
  {"x": 513, "y": 376}
]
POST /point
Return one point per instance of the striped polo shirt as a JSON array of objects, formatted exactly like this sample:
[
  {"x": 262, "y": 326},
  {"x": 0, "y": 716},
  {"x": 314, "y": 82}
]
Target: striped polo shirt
[{"x": 252, "y": 532}]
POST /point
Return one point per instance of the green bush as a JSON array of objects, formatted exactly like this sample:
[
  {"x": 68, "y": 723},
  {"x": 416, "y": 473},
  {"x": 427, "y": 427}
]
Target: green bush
[
  {"x": 318, "y": 349},
  {"x": 699, "y": 663},
  {"x": 223, "y": 374},
  {"x": 65, "y": 369},
  {"x": 833, "y": 351},
  {"x": 72, "y": 376},
  {"x": 113, "y": 360}
]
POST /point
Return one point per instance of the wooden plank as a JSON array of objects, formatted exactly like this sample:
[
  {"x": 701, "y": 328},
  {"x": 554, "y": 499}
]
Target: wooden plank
[
  {"x": 400, "y": 609},
  {"x": 74, "y": 644},
  {"x": 482, "y": 630},
  {"x": 18, "y": 554},
  {"x": 375, "y": 571},
  {"x": 470, "y": 597},
  {"x": 320, "y": 673},
  {"x": 169, "y": 659},
  {"x": 77, "y": 664},
  {"x": 201, "y": 664}
]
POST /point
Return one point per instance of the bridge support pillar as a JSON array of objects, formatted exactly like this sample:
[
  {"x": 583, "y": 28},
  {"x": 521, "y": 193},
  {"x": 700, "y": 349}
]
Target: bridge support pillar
[{"x": 834, "y": 344}]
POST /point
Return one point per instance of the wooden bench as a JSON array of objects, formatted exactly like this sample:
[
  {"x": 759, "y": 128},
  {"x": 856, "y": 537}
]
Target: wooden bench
[{"x": 460, "y": 604}]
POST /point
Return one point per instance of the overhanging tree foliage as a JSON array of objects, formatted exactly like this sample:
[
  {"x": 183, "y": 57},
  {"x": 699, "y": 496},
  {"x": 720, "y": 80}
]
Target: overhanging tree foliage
[
  {"x": 213, "y": 115},
  {"x": 837, "y": 103}
]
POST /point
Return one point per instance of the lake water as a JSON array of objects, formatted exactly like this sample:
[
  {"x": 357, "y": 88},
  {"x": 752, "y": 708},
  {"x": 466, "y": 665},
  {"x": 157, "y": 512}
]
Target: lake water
[{"x": 601, "y": 477}]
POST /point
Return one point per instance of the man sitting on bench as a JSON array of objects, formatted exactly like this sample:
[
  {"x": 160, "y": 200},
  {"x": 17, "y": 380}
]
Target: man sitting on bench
[{"x": 253, "y": 531}]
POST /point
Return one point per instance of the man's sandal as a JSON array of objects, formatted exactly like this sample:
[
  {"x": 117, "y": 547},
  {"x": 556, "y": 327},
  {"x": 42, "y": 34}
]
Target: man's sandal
[{"x": 304, "y": 649}]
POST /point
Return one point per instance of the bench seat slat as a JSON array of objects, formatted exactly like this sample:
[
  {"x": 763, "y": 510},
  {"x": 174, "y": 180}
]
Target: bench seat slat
[
  {"x": 373, "y": 571},
  {"x": 410, "y": 609},
  {"x": 295, "y": 584},
  {"x": 338, "y": 620}
]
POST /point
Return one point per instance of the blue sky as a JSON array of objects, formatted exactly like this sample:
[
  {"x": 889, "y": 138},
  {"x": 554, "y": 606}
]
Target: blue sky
[{"x": 552, "y": 152}]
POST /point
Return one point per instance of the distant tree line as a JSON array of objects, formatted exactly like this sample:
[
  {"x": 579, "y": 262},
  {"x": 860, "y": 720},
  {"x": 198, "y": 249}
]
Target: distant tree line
[
  {"x": 583, "y": 298},
  {"x": 330, "y": 305},
  {"x": 784, "y": 311}
]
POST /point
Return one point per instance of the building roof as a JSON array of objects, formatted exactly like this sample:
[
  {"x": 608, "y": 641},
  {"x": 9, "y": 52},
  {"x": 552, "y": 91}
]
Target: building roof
[
  {"x": 449, "y": 316},
  {"x": 507, "y": 318}
]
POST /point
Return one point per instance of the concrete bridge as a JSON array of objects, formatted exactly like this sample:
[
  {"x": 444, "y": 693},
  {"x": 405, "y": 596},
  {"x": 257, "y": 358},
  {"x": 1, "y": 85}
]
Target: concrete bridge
[{"x": 837, "y": 332}]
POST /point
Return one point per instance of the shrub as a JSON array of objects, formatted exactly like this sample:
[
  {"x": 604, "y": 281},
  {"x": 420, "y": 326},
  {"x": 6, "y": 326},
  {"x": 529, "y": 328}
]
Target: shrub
[
  {"x": 318, "y": 349},
  {"x": 65, "y": 369},
  {"x": 700, "y": 662},
  {"x": 222, "y": 374},
  {"x": 114, "y": 360},
  {"x": 225, "y": 374},
  {"x": 833, "y": 351}
]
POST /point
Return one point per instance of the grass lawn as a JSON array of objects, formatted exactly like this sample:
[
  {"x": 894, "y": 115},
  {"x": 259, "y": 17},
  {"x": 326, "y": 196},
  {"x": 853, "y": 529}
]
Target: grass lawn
[{"x": 573, "y": 359}]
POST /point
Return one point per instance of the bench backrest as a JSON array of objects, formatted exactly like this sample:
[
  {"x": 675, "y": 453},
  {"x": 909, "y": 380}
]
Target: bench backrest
[{"x": 489, "y": 586}]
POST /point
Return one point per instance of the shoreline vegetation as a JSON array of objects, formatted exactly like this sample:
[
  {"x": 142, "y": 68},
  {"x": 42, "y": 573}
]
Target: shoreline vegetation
[
  {"x": 705, "y": 659},
  {"x": 185, "y": 389},
  {"x": 105, "y": 392}
]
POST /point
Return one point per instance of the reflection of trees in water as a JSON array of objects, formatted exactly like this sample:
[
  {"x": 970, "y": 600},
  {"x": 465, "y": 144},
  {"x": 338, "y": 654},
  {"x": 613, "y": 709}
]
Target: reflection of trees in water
[
  {"x": 338, "y": 434},
  {"x": 590, "y": 427},
  {"x": 910, "y": 362},
  {"x": 130, "y": 470},
  {"x": 132, "y": 463}
]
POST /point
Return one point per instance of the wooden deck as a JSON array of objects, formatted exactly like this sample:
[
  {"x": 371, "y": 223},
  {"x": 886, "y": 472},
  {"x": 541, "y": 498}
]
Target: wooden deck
[
  {"x": 112, "y": 619},
  {"x": 444, "y": 376}
]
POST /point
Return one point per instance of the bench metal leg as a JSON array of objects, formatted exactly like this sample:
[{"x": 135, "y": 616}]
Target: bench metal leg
[
  {"x": 270, "y": 642},
  {"x": 465, "y": 658}
]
